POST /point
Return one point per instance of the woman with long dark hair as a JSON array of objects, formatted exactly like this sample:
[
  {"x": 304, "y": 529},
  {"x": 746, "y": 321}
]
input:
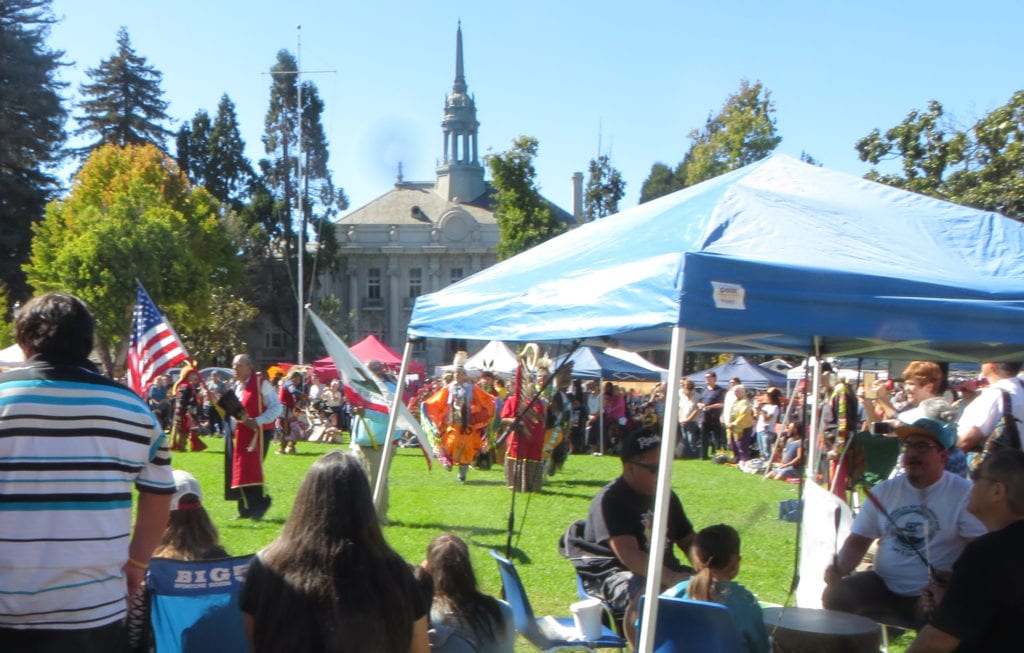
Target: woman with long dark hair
[
  {"x": 478, "y": 618},
  {"x": 330, "y": 582}
]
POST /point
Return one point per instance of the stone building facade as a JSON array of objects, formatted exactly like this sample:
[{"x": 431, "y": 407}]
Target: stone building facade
[{"x": 419, "y": 237}]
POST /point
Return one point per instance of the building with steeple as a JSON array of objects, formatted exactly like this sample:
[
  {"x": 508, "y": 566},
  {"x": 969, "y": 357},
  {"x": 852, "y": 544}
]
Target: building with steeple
[{"x": 419, "y": 237}]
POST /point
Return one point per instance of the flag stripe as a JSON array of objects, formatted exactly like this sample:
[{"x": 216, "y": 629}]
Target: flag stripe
[{"x": 153, "y": 348}]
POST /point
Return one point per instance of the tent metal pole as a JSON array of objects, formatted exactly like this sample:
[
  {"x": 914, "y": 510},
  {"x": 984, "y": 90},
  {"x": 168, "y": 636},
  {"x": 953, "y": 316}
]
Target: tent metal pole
[
  {"x": 387, "y": 454},
  {"x": 659, "y": 527},
  {"x": 600, "y": 407}
]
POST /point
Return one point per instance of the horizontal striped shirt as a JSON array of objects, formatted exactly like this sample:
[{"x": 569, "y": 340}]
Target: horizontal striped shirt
[{"x": 73, "y": 444}]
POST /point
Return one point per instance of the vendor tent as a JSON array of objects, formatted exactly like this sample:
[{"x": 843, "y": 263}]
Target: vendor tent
[
  {"x": 751, "y": 375},
  {"x": 370, "y": 348},
  {"x": 12, "y": 356},
  {"x": 636, "y": 358},
  {"x": 496, "y": 357},
  {"x": 592, "y": 363},
  {"x": 779, "y": 256}
]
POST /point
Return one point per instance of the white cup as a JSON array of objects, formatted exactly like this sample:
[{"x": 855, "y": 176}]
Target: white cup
[{"x": 587, "y": 615}]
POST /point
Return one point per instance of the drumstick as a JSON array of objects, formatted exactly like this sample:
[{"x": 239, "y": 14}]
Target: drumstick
[
  {"x": 928, "y": 549},
  {"x": 885, "y": 513},
  {"x": 835, "y": 555}
]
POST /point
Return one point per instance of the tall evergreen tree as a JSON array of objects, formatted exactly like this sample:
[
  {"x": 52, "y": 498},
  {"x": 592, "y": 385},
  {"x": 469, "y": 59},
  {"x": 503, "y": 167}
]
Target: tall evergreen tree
[
  {"x": 524, "y": 218},
  {"x": 124, "y": 103},
  {"x": 605, "y": 187},
  {"x": 212, "y": 154},
  {"x": 193, "y": 145},
  {"x": 230, "y": 175},
  {"x": 280, "y": 179},
  {"x": 32, "y": 132}
]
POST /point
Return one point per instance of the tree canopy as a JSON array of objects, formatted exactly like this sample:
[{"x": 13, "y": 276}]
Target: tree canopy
[
  {"x": 524, "y": 218},
  {"x": 981, "y": 166},
  {"x": 123, "y": 103},
  {"x": 742, "y": 132},
  {"x": 32, "y": 119},
  {"x": 605, "y": 187},
  {"x": 132, "y": 214}
]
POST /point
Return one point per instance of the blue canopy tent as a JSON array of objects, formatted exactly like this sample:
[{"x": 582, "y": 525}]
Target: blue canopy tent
[
  {"x": 591, "y": 363},
  {"x": 751, "y": 375},
  {"x": 776, "y": 257}
]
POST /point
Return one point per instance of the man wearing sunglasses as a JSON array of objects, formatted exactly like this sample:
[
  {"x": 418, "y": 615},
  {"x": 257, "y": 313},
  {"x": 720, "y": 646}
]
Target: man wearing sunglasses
[
  {"x": 921, "y": 522},
  {"x": 619, "y": 522},
  {"x": 982, "y": 606}
]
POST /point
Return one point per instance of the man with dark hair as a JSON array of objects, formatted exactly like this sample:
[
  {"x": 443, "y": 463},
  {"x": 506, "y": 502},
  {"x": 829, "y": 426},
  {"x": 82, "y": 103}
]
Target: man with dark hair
[
  {"x": 619, "y": 522},
  {"x": 74, "y": 443},
  {"x": 712, "y": 401},
  {"x": 982, "y": 607},
  {"x": 981, "y": 416}
]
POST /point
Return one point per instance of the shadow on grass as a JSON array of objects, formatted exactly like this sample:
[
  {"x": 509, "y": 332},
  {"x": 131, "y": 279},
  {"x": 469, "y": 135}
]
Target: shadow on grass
[{"x": 439, "y": 528}]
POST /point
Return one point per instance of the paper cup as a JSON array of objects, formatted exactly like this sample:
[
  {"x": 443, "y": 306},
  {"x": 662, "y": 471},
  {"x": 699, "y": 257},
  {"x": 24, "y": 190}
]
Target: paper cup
[{"x": 587, "y": 615}]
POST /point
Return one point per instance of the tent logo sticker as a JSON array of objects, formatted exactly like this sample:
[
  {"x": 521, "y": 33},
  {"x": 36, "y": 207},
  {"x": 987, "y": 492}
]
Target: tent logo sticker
[{"x": 728, "y": 295}]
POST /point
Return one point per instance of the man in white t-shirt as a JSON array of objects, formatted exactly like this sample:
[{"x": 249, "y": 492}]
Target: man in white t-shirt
[
  {"x": 981, "y": 416},
  {"x": 919, "y": 518}
]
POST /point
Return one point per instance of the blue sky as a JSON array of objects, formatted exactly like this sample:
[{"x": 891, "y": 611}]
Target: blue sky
[{"x": 634, "y": 77}]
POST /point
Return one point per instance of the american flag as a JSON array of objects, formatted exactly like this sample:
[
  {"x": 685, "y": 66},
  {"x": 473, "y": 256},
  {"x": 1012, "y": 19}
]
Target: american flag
[{"x": 153, "y": 348}]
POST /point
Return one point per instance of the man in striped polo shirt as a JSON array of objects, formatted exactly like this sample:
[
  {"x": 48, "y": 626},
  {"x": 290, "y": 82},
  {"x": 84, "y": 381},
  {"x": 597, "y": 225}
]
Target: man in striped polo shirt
[{"x": 72, "y": 445}]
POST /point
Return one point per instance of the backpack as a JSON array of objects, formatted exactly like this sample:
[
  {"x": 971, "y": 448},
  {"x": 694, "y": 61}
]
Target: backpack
[
  {"x": 1005, "y": 434},
  {"x": 593, "y": 562}
]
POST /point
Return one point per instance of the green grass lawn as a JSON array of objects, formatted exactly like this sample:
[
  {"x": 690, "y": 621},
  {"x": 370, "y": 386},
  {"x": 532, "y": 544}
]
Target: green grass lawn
[{"x": 426, "y": 503}]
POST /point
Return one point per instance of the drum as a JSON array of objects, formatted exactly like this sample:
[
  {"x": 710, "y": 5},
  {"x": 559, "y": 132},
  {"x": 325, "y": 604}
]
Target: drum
[{"x": 807, "y": 630}]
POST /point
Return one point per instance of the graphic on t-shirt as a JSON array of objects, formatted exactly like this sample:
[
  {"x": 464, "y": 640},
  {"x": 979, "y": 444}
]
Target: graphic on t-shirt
[
  {"x": 647, "y": 519},
  {"x": 916, "y": 525}
]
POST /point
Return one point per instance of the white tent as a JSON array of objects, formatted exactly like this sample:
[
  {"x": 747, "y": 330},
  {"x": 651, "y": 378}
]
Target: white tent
[
  {"x": 11, "y": 356},
  {"x": 496, "y": 356}
]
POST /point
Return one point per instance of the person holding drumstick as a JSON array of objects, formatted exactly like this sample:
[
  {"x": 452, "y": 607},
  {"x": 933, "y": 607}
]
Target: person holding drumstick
[{"x": 921, "y": 522}]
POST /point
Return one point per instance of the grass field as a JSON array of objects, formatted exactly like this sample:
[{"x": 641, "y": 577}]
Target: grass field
[{"x": 426, "y": 503}]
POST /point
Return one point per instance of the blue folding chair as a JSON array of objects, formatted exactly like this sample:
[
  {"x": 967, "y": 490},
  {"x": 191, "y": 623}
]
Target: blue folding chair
[
  {"x": 687, "y": 625},
  {"x": 194, "y": 605},
  {"x": 529, "y": 626}
]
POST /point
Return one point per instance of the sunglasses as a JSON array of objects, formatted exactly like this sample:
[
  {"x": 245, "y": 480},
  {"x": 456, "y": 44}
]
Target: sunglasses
[
  {"x": 917, "y": 446},
  {"x": 651, "y": 467}
]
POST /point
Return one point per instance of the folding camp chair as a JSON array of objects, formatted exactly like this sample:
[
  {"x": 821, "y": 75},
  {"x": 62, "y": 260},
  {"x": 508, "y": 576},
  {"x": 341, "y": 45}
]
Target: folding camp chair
[
  {"x": 533, "y": 629},
  {"x": 194, "y": 605},
  {"x": 687, "y": 625}
]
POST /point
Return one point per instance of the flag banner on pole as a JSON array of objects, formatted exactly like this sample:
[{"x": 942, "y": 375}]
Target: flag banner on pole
[
  {"x": 153, "y": 347},
  {"x": 362, "y": 388}
]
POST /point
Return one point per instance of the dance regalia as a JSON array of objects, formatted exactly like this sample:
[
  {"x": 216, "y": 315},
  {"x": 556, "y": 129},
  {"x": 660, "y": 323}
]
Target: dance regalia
[
  {"x": 524, "y": 467},
  {"x": 246, "y": 465},
  {"x": 459, "y": 414}
]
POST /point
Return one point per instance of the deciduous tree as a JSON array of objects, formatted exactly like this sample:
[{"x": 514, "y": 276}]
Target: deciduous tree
[
  {"x": 132, "y": 214},
  {"x": 981, "y": 166},
  {"x": 605, "y": 187},
  {"x": 123, "y": 103},
  {"x": 524, "y": 218},
  {"x": 742, "y": 132},
  {"x": 32, "y": 133}
]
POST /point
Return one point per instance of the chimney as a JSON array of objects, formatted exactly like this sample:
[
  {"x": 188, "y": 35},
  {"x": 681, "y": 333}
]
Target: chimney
[{"x": 577, "y": 197}]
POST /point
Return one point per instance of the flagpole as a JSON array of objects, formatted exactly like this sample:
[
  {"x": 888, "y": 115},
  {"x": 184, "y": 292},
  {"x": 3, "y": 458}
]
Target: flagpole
[{"x": 386, "y": 455}]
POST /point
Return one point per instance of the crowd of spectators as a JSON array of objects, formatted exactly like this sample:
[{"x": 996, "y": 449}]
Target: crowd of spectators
[{"x": 329, "y": 581}]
